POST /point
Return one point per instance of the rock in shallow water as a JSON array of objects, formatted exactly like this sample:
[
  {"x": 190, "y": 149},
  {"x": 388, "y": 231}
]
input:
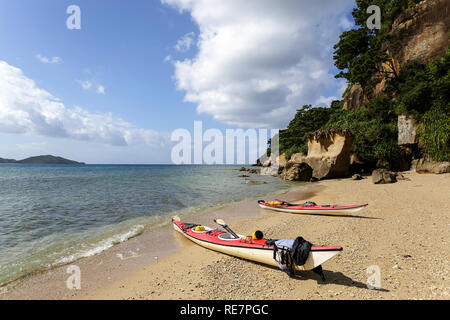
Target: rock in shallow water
[{"x": 255, "y": 182}]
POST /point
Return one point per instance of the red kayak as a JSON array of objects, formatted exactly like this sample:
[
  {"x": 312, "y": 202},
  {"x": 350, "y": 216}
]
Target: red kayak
[
  {"x": 246, "y": 247},
  {"x": 310, "y": 207}
]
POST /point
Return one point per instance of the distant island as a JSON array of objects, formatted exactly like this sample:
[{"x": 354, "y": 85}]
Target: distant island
[{"x": 48, "y": 159}]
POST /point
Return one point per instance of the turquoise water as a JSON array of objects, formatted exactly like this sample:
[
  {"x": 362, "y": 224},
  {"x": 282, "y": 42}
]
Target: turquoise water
[{"x": 53, "y": 214}]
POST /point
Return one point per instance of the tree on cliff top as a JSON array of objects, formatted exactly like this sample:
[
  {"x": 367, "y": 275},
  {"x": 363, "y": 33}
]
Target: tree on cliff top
[
  {"x": 306, "y": 120},
  {"x": 358, "y": 52}
]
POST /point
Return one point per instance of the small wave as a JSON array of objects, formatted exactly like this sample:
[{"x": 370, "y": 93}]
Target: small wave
[{"x": 102, "y": 245}]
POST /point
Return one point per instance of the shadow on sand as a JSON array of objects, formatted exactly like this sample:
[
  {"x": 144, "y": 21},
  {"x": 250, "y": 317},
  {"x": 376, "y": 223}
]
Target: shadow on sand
[
  {"x": 343, "y": 216},
  {"x": 332, "y": 277},
  {"x": 327, "y": 215}
]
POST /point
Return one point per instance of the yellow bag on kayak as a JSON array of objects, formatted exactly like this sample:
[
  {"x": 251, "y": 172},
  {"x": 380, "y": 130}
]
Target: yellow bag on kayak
[
  {"x": 275, "y": 203},
  {"x": 199, "y": 228}
]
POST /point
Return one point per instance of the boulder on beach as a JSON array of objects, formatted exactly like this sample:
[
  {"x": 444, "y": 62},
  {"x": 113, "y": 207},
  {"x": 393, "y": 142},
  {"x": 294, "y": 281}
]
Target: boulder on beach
[
  {"x": 328, "y": 157},
  {"x": 297, "y": 171},
  {"x": 429, "y": 166},
  {"x": 382, "y": 176},
  {"x": 329, "y": 153}
]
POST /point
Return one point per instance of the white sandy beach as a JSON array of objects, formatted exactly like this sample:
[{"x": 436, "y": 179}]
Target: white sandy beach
[{"x": 404, "y": 233}]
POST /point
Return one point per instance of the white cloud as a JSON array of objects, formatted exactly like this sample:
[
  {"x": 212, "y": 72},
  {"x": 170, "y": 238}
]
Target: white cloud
[
  {"x": 346, "y": 24},
  {"x": 323, "y": 101},
  {"x": 85, "y": 84},
  {"x": 100, "y": 89},
  {"x": 185, "y": 42},
  {"x": 260, "y": 60},
  {"x": 52, "y": 60},
  {"x": 27, "y": 109},
  {"x": 167, "y": 59}
]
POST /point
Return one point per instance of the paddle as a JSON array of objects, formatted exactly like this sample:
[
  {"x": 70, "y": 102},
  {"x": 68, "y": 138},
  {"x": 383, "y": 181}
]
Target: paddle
[{"x": 223, "y": 224}]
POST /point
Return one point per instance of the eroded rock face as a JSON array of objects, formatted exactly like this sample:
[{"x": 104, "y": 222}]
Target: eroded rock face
[
  {"x": 418, "y": 34},
  {"x": 429, "y": 166},
  {"x": 354, "y": 97},
  {"x": 421, "y": 32},
  {"x": 329, "y": 153},
  {"x": 298, "y": 157}
]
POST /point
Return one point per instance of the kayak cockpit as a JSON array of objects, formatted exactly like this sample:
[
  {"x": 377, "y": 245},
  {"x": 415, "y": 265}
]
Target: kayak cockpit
[
  {"x": 229, "y": 237},
  {"x": 202, "y": 230}
]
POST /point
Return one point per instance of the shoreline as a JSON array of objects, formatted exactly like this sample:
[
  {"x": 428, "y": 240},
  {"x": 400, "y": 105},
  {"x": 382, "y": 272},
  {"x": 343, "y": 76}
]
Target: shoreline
[
  {"x": 126, "y": 257},
  {"x": 403, "y": 234}
]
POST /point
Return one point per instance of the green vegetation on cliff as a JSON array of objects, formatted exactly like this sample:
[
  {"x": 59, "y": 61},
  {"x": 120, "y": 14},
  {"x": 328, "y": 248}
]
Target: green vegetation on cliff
[
  {"x": 374, "y": 127},
  {"x": 421, "y": 91},
  {"x": 307, "y": 119}
]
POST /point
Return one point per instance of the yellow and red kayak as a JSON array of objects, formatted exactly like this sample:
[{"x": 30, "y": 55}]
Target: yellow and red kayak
[
  {"x": 247, "y": 248},
  {"x": 310, "y": 207}
]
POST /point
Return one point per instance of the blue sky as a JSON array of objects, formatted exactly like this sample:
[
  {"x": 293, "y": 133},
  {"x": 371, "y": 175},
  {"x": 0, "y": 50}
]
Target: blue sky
[
  {"x": 119, "y": 45},
  {"x": 127, "y": 58}
]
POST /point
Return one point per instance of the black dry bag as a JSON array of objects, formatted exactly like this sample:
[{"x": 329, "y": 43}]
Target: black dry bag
[{"x": 300, "y": 251}]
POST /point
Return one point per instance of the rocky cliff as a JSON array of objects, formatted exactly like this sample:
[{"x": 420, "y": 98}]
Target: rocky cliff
[
  {"x": 420, "y": 34},
  {"x": 405, "y": 114}
]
